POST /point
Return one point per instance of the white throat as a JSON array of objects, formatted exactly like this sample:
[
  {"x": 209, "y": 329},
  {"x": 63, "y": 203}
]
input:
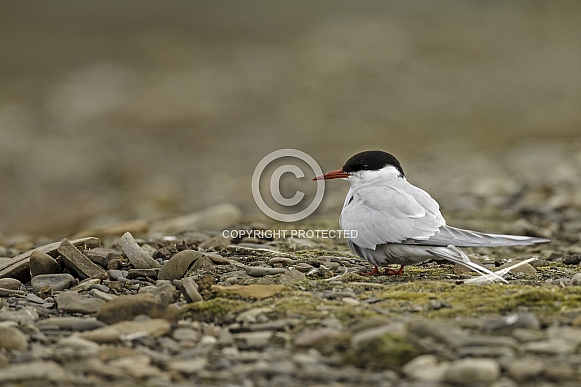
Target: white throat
[{"x": 366, "y": 177}]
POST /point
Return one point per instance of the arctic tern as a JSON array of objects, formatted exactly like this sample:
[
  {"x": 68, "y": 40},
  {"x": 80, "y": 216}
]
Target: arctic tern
[{"x": 399, "y": 223}]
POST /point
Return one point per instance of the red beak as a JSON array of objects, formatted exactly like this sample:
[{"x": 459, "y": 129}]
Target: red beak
[{"x": 337, "y": 174}]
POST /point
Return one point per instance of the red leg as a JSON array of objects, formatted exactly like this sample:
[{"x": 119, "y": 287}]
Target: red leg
[
  {"x": 375, "y": 271},
  {"x": 389, "y": 271}
]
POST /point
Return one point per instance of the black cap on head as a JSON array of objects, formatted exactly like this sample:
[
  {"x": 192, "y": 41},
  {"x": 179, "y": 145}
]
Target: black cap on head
[{"x": 371, "y": 161}]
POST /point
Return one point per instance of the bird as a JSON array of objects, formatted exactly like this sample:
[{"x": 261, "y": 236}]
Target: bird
[{"x": 390, "y": 221}]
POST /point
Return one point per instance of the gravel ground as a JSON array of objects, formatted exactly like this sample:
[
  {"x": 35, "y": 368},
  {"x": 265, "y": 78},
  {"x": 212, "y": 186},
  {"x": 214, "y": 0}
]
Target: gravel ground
[{"x": 176, "y": 307}]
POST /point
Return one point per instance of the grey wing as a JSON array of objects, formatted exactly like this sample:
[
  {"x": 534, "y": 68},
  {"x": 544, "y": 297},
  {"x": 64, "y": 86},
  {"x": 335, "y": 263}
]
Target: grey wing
[
  {"x": 391, "y": 213},
  {"x": 447, "y": 235}
]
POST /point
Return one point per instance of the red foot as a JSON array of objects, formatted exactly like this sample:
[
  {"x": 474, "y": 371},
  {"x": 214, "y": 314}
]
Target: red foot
[
  {"x": 375, "y": 271},
  {"x": 399, "y": 271},
  {"x": 387, "y": 271}
]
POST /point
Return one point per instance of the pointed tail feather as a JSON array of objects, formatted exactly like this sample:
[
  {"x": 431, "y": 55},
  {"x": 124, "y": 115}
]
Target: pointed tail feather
[
  {"x": 447, "y": 235},
  {"x": 454, "y": 254}
]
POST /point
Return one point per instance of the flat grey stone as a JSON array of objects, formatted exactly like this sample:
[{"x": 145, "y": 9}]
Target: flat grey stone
[
  {"x": 70, "y": 323},
  {"x": 78, "y": 263},
  {"x": 73, "y": 302},
  {"x": 472, "y": 371},
  {"x": 54, "y": 282},
  {"x": 166, "y": 292},
  {"x": 10, "y": 284},
  {"x": 177, "y": 266}
]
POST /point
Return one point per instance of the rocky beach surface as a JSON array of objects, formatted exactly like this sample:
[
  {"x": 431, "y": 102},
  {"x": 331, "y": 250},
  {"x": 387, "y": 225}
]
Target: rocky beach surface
[{"x": 176, "y": 303}]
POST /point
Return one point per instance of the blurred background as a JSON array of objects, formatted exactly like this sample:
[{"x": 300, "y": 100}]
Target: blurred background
[{"x": 115, "y": 110}]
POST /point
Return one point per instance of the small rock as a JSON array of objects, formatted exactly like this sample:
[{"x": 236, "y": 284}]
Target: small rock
[
  {"x": 42, "y": 263},
  {"x": 166, "y": 292},
  {"x": 569, "y": 334},
  {"x": 48, "y": 283},
  {"x": 10, "y": 284},
  {"x": 187, "y": 366},
  {"x": 128, "y": 330},
  {"x": 73, "y": 302},
  {"x": 105, "y": 296},
  {"x": 144, "y": 273},
  {"x": 35, "y": 370},
  {"x": 26, "y": 315},
  {"x": 70, "y": 323},
  {"x": 253, "y": 340},
  {"x": 525, "y": 368},
  {"x": 136, "y": 255},
  {"x": 118, "y": 275},
  {"x": 472, "y": 371},
  {"x": 319, "y": 337},
  {"x": 291, "y": 277},
  {"x": 190, "y": 290},
  {"x": 78, "y": 263},
  {"x": 101, "y": 256},
  {"x": 576, "y": 279},
  {"x": 177, "y": 266},
  {"x": 255, "y": 271},
  {"x": 561, "y": 372},
  {"x": 86, "y": 346},
  {"x": 527, "y": 335},
  {"x": 572, "y": 259},
  {"x": 283, "y": 261},
  {"x": 549, "y": 347},
  {"x": 11, "y": 337},
  {"x": 125, "y": 308},
  {"x": 425, "y": 368},
  {"x": 186, "y": 334},
  {"x": 444, "y": 333}
]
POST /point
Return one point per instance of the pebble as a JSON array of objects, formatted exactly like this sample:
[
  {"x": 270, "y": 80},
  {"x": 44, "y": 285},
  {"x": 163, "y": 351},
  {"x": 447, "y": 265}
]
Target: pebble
[
  {"x": 252, "y": 340},
  {"x": 472, "y": 371},
  {"x": 78, "y": 263},
  {"x": 145, "y": 273},
  {"x": 11, "y": 284},
  {"x": 256, "y": 271},
  {"x": 42, "y": 263},
  {"x": 165, "y": 292},
  {"x": 101, "y": 256},
  {"x": 72, "y": 302},
  {"x": 549, "y": 347},
  {"x": 190, "y": 290},
  {"x": 126, "y": 308},
  {"x": 576, "y": 279},
  {"x": 128, "y": 330},
  {"x": 425, "y": 368},
  {"x": 11, "y": 337},
  {"x": 177, "y": 266},
  {"x": 524, "y": 369},
  {"x": 35, "y": 370},
  {"x": 50, "y": 283},
  {"x": 188, "y": 366},
  {"x": 70, "y": 323},
  {"x": 136, "y": 255}
]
